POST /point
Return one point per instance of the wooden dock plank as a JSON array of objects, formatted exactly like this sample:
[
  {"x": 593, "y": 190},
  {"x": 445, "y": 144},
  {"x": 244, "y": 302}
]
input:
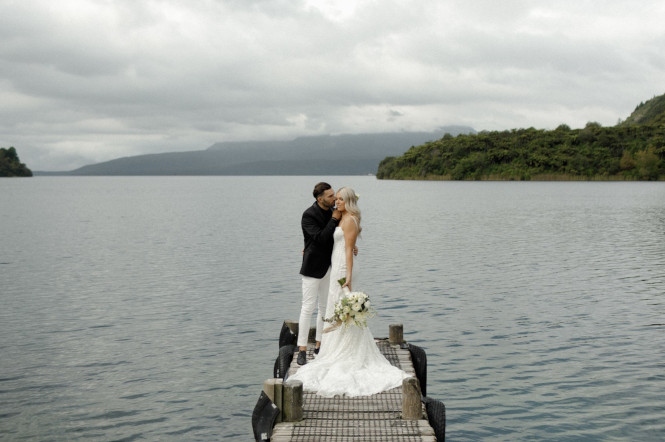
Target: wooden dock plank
[
  {"x": 367, "y": 418},
  {"x": 392, "y": 430}
]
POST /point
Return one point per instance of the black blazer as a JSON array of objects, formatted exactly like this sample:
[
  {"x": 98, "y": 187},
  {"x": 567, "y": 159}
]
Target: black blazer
[{"x": 318, "y": 227}]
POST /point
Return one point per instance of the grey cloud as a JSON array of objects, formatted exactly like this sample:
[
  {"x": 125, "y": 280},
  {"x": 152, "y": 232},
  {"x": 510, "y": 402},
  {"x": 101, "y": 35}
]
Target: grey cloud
[{"x": 84, "y": 81}]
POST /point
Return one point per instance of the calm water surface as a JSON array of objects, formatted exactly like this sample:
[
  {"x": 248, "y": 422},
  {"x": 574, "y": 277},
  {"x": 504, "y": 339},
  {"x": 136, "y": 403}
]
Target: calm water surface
[{"x": 148, "y": 308}]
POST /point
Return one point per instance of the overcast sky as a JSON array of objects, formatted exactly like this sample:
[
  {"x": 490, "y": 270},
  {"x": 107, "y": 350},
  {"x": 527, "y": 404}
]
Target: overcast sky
[{"x": 83, "y": 81}]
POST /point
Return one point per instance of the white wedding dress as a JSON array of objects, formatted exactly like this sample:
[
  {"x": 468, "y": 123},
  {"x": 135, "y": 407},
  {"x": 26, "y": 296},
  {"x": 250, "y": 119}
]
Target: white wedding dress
[{"x": 349, "y": 362}]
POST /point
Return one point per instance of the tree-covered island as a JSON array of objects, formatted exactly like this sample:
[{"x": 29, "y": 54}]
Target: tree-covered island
[
  {"x": 10, "y": 165},
  {"x": 631, "y": 150}
]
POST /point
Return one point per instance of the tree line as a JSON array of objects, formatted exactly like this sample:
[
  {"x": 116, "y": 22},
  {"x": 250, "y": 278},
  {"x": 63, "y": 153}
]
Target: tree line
[{"x": 624, "y": 152}]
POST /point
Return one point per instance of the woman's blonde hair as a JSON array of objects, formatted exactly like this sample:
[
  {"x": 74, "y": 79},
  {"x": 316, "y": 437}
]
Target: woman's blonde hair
[{"x": 351, "y": 203}]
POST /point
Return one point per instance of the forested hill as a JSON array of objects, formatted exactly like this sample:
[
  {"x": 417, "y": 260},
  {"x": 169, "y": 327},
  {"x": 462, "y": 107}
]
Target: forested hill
[
  {"x": 650, "y": 113},
  {"x": 632, "y": 150},
  {"x": 357, "y": 154},
  {"x": 10, "y": 165}
]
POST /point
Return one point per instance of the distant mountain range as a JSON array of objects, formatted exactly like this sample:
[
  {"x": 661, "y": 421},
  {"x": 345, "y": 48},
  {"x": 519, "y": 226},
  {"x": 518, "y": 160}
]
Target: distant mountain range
[{"x": 358, "y": 154}]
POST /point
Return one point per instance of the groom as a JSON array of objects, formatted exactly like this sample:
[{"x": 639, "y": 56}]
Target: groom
[{"x": 318, "y": 225}]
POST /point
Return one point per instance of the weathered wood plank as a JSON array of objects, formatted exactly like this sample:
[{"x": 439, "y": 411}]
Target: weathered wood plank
[
  {"x": 368, "y": 418},
  {"x": 415, "y": 438},
  {"x": 398, "y": 425},
  {"x": 356, "y": 430}
]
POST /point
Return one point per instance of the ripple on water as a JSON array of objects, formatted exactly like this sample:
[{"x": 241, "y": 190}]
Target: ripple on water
[{"x": 539, "y": 305}]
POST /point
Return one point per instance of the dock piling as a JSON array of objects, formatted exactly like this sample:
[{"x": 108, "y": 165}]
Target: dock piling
[
  {"x": 292, "y": 325},
  {"x": 292, "y": 392},
  {"x": 396, "y": 335},
  {"x": 411, "y": 399},
  {"x": 273, "y": 389},
  {"x": 295, "y": 329},
  {"x": 279, "y": 398}
]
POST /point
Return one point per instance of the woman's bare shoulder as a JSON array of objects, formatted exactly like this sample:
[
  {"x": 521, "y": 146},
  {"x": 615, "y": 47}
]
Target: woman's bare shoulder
[{"x": 350, "y": 223}]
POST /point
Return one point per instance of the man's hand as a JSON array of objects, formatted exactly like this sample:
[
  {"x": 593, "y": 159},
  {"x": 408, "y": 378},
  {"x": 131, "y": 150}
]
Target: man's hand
[
  {"x": 355, "y": 250},
  {"x": 337, "y": 214}
]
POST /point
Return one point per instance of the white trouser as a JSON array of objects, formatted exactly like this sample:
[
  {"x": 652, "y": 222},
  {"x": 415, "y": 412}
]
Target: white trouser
[{"x": 312, "y": 288}]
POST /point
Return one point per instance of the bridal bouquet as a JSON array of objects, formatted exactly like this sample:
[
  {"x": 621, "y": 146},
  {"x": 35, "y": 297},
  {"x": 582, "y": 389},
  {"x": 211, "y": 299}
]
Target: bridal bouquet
[{"x": 353, "y": 308}]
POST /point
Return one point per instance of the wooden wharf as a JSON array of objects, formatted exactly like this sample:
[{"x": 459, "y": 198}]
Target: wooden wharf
[{"x": 399, "y": 414}]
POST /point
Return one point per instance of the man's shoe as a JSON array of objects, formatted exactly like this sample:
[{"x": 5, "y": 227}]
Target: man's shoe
[
  {"x": 316, "y": 350},
  {"x": 302, "y": 357}
]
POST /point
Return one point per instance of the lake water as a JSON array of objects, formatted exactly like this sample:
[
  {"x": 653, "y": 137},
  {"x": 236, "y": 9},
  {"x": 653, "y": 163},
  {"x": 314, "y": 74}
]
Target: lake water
[{"x": 150, "y": 307}]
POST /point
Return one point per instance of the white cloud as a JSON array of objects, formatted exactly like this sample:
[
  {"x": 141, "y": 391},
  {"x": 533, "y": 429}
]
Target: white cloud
[{"x": 83, "y": 81}]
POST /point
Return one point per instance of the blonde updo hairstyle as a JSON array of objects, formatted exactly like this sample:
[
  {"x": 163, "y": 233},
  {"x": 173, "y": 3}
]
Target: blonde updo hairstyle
[{"x": 351, "y": 203}]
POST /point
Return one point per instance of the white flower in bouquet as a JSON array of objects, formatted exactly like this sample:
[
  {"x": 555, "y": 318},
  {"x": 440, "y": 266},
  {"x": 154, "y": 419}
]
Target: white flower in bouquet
[{"x": 353, "y": 308}]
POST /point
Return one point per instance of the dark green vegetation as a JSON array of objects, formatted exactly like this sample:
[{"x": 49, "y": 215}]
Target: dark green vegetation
[
  {"x": 632, "y": 150},
  {"x": 10, "y": 165}
]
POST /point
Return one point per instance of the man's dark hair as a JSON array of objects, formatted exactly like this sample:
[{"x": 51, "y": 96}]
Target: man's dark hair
[{"x": 320, "y": 188}]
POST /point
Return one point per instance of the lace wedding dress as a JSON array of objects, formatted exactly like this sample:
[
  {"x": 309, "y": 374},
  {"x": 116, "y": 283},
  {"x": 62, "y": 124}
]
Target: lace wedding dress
[{"x": 349, "y": 362}]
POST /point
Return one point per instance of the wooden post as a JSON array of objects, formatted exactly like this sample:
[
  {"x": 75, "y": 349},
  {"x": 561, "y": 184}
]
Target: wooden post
[
  {"x": 292, "y": 401},
  {"x": 411, "y": 402},
  {"x": 295, "y": 329},
  {"x": 396, "y": 336},
  {"x": 273, "y": 389},
  {"x": 292, "y": 325},
  {"x": 279, "y": 398},
  {"x": 269, "y": 389}
]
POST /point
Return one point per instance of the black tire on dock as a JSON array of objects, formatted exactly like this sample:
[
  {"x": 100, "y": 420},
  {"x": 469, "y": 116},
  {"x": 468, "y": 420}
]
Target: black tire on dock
[
  {"x": 436, "y": 415},
  {"x": 419, "y": 358},
  {"x": 283, "y": 361},
  {"x": 263, "y": 418},
  {"x": 286, "y": 336}
]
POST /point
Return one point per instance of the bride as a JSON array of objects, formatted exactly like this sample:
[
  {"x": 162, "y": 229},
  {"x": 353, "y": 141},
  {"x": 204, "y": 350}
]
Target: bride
[{"x": 349, "y": 362}]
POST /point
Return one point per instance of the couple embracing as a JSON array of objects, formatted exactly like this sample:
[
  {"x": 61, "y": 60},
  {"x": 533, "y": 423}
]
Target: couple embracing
[{"x": 347, "y": 360}]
